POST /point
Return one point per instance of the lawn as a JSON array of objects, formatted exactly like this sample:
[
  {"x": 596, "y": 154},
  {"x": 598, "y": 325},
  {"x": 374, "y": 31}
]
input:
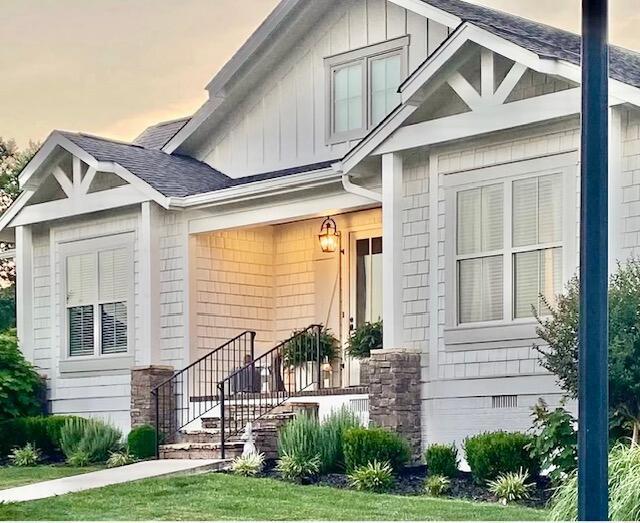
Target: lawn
[
  {"x": 16, "y": 476},
  {"x": 221, "y": 496}
]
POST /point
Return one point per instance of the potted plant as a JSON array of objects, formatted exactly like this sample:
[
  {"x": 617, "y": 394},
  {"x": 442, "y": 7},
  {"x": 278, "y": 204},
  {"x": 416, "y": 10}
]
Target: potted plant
[
  {"x": 301, "y": 358},
  {"x": 362, "y": 341}
]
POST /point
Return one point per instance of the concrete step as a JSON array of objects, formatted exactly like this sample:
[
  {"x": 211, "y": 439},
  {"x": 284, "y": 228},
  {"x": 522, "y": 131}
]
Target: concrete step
[
  {"x": 200, "y": 450},
  {"x": 198, "y": 436}
]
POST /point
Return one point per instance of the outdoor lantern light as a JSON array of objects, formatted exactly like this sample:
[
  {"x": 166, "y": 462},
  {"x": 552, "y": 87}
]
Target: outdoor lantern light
[
  {"x": 329, "y": 236},
  {"x": 326, "y": 373}
]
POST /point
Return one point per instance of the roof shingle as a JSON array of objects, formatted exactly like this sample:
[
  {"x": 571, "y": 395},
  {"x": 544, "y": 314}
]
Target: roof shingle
[{"x": 157, "y": 136}]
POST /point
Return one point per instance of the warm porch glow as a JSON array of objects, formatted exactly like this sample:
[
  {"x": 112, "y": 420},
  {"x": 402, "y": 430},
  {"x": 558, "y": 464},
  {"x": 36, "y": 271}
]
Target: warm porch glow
[{"x": 329, "y": 236}]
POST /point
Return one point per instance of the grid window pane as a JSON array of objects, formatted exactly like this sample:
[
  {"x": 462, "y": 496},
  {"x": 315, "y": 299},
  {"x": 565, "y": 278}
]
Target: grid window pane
[
  {"x": 536, "y": 273},
  {"x": 81, "y": 330},
  {"x": 113, "y": 327},
  {"x": 81, "y": 279},
  {"x": 385, "y": 79},
  {"x": 113, "y": 274},
  {"x": 480, "y": 219},
  {"x": 480, "y": 289},
  {"x": 347, "y": 98},
  {"x": 537, "y": 211}
]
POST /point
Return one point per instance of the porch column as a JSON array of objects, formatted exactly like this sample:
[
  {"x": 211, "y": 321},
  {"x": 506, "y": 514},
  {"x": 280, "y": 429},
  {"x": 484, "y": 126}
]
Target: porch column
[
  {"x": 24, "y": 290},
  {"x": 148, "y": 353},
  {"x": 392, "y": 189}
]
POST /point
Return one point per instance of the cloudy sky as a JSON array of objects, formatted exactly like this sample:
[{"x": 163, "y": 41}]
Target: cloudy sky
[{"x": 112, "y": 67}]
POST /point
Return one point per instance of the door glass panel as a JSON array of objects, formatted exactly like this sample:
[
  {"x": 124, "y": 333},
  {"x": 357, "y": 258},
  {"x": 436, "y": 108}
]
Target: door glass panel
[{"x": 368, "y": 282}]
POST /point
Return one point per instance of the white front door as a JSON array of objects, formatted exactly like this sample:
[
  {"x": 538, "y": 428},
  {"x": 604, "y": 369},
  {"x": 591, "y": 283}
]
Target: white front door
[{"x": 365, "y": 281}]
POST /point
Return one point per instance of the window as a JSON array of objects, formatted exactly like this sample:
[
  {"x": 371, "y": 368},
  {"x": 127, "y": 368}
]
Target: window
[
  {"x": 97, "y": 299},
  {"x": 363, "y": 88},
  {"x": 509, "y": 237}
]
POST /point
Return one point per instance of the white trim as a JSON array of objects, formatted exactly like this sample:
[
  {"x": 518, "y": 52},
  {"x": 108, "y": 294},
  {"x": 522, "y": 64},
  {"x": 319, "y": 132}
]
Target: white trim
[
  {"x": 429, "y": 11},
  {"x": 434, "y": 265},
  {"x": 616, "y": 219},
  {"x": 24, "y": 290},
  {"x": 63, "y": 180},
  {"x": 149, "y": 287}
]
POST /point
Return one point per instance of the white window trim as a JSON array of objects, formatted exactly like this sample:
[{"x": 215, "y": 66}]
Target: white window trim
[
  {"x": 565, "y": 164},
  {"x": 364, "y": 55},
  {"x": 94, "y": 245}
]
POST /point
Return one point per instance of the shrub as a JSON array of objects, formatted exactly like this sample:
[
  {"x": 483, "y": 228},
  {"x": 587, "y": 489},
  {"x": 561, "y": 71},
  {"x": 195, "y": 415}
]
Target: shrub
[
  {"x": 624, "y": 488},
  {"x": 331, "y": 439},
  {"x": 300, "y": 437},
  {"x": 442, "y": 460},
  {"x": 42, "y": 431},
  {"x": 92, "y": 437},
  {"x": 142, "y": 442},
  {"x": 20, "y": 384},
  {"x": 437, "y": 485},
  {"x": 493, "y": 453},
  {"x": 120, "y": 459},
  {"x": 364, "y": 339},
  {"x": 27, "y": 456},
  {"x": 511, "y": 486},
  {"x": 296, "y": 467},
  {"x": 79, "y": 458},
  {"x": 555, "y": 440},
  {"x": 374, "y": 476},
  {"x": 248, "y": 465},
  {"x": 302, "y": 348},
  {"x": 364, "y": 445}
]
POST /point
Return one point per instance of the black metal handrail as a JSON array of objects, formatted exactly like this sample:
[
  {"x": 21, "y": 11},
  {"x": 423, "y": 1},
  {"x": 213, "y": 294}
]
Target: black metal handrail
[
  {"x": 192, "y": 391},
  {"x": 260, "y": 386}
]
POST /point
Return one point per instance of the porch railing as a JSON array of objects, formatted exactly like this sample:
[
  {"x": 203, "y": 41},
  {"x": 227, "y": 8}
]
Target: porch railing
[
  {"x": 193, "y": 391},
  {"x": 248, "y": 394}
]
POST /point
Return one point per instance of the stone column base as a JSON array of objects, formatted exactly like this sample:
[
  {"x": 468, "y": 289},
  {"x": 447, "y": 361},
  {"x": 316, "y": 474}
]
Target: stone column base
[
  {"x": 143, "y": 380},
  {"x": 394, "y": 393}
]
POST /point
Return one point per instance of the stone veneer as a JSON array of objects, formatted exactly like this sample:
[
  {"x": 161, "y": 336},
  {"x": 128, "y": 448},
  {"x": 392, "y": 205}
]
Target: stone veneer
[
  {"x": 394, "y": 393},
  {"x": 143, "y": 380}
]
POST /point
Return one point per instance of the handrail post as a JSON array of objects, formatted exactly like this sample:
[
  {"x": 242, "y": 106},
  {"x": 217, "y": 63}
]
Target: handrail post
[
  {"x": 319, "y": 356},
  {"x": 222, "y": 419},
  {"x": 253, "y": 345},
  {"x": 157, "y": 420}
]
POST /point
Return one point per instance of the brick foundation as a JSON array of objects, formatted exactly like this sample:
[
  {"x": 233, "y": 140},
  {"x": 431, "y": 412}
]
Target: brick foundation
[
  {"x": 143, "y": 380},
  {"x": 394, "y": 393}
]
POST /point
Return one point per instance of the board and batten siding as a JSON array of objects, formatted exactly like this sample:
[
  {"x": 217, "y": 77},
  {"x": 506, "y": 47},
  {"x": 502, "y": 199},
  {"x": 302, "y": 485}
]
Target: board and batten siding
[{"x": 282, "y": 123}]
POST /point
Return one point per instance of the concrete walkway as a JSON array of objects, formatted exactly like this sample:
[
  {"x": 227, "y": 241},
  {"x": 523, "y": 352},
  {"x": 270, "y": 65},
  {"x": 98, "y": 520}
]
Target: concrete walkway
[{"x": 102, "y": 478}]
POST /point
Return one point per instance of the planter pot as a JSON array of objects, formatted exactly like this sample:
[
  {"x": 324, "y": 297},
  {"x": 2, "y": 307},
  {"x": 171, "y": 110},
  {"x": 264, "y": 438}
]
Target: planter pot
[
  {"x": 364, "y": 371},
  {"x": 302, "y": 377}
]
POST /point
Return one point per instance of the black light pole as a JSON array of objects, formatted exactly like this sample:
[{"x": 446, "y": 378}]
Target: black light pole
[{"x": 593, "y": 333}]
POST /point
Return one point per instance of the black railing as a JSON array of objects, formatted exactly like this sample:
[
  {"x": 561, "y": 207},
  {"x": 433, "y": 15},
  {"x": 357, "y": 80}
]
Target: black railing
[
  {"x": 256, "y": 389},
  {"x": 193, "y": 391}
]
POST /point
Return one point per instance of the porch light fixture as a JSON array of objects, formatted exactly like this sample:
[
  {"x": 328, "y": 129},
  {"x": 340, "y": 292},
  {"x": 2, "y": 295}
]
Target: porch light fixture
[{"x": 329, "y": 235}]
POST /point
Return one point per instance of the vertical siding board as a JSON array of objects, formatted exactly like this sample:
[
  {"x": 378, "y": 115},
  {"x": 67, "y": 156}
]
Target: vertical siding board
[
  {"x": 376, "y": 22},
  {"x": 357, "y": 24},
  {"x": 437, "y": 33},
  {"x": 417, "y": 28},
  {"x": 396, "y": 20},
  {"x": 305, "y": 111}
]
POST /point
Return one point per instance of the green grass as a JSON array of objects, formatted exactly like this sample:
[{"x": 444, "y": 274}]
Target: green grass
[
  {"x": 221, "y": 496},
  {"x": 17, "y": 476}
]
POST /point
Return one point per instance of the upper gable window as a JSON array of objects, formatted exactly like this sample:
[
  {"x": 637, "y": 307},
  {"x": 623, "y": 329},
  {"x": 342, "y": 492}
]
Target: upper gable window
[{"x": 363, "y": 87}]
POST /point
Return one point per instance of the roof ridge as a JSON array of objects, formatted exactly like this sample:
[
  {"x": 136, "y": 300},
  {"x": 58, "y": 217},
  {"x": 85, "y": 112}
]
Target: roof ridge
[{"x": 101, "y": 138}]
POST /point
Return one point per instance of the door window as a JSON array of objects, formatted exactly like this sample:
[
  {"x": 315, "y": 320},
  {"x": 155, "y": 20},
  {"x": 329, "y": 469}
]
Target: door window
[{"x": 368, "y": 283}]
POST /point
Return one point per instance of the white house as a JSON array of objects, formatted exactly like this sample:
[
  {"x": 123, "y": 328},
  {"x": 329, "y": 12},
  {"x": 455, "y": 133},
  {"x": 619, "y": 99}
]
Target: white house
[{"x": 442, "y": 137}]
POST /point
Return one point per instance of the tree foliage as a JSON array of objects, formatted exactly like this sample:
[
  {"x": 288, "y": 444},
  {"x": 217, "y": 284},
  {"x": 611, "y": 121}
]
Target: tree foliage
[{"x": 560, "y": 332}]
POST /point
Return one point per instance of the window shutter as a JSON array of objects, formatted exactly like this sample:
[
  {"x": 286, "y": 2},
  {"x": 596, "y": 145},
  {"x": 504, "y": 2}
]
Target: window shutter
[{"x": 113, "y": 271}]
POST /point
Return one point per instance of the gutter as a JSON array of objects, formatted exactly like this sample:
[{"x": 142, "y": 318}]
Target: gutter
[{"x": 354, "y": 188}]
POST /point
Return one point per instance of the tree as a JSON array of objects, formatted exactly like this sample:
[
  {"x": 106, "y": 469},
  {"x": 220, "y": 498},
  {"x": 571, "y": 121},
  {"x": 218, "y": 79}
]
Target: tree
[{"x": 560, "y": 332}]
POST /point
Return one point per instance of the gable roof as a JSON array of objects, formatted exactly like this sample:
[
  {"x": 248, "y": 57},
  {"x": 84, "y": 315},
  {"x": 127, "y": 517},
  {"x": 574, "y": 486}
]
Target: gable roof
[
  {"x": 169, "y": 174},
  {"x": 544, "y": 40},
  {"x": 156, "y": 136}
]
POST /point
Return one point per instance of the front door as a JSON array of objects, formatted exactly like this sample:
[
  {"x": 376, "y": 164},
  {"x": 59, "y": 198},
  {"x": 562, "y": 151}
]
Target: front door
[{"x": 365, "y": 303}]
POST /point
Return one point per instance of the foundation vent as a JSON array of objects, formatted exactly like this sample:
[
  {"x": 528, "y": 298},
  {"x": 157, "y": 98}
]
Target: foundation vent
[
  {"x": 504, "y": 402},
  {"x": 360, "y": 407}
]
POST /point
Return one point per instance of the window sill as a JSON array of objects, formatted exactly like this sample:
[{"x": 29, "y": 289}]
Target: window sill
[
  {"x": 104, "y": 363},
  {"x": 494, "y": 336}
]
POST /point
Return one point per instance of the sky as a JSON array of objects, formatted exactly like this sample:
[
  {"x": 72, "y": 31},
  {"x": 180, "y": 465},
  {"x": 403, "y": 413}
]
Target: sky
[{"x": 113, "y": 67}]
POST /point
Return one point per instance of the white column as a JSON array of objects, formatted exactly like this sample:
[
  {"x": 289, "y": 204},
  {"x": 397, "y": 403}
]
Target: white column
[
  {"x": 24, "y": 290},
  {"x": 148, "y": 353},
  {"x": 616, "y": 222},
  {"x": 392, "y": 191}
]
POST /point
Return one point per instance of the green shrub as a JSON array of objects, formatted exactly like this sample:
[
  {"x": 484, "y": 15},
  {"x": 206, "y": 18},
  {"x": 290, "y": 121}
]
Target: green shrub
[
  {"x": 120, "y": 459},
  {"x": 42, "y": 431},
  {"x": 91, "y": 437},
  {"x": 364, "y": 445},
  {"x": 331, "y": 439},
  {"x": 302, "y": 348},
  {"x": 20, "y": 384},
  {"x": 27, "y": 456},
  {"x": 511, "y": 486},
  {"x": 296, "y": 467},
  {"x": 374, "y": 477},
  {"x": 493, "y": 453},
  {"x": 300, "y": 437},
  {"x": 248, "y": 465},
  {"x": 142, "y": 442},
  {"x": 79, "y": 458},
  {"x": 437, "y": 485},
  {"x": 442, "y": 460},
  {"x": 624, "y": 488},
  {"x": 555, "y": 441},
  {"x": 364, "y": 339}
]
